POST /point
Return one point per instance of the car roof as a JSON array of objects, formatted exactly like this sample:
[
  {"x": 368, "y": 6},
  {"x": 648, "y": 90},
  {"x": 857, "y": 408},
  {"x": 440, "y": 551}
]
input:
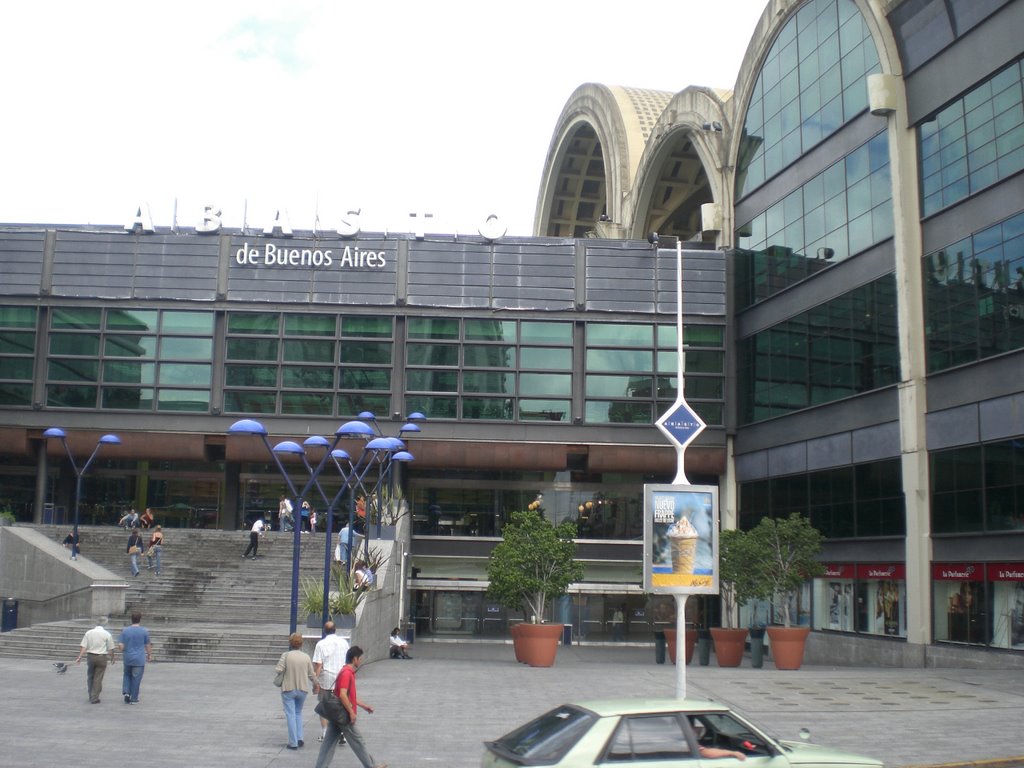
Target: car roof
[{"x": 614, "y": 707}]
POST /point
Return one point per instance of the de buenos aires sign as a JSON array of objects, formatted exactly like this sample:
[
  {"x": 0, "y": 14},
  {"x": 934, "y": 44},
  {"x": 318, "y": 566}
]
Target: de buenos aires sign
[{"x": 274, "y": 255}]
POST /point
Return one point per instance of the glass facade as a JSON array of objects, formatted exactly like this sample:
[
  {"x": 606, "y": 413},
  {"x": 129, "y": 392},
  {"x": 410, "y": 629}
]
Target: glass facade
[
  {"x": 631, "y": 372},
  {"x": 323, "y": 364},
  {"x": 865, "y": 598},
  {"x": 17, "y": 355},
  {"x": 840, "y": 212},
  {"x": 299, "y": 364},
  {"x": 813, "y": 80},
  {"x": 129, "y": 359},
  {"x": 978, "y": 488},
  {"x": 974, "y": 142},
  {"x": 979, "y": 604},
  {"x": 843, "y": 347},
  {"x": 974, "y": 296},
  {"x": 479, "y": 505},
  {"x": 858, "y": 501}
]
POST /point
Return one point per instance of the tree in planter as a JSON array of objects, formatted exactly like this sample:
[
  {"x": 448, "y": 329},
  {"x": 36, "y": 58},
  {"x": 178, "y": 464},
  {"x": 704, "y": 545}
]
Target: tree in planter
[
  {"x": 534, "y": 563},
  {"x": 739, "y": 577},
  {"x": 783, "y": 553}
]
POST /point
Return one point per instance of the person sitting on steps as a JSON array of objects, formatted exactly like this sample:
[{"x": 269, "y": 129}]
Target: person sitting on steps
[{"x": 398, "y": 645}]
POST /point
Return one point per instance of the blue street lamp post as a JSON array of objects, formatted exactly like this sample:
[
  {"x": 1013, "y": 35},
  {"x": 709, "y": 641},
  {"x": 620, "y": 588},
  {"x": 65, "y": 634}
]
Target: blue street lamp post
[
  {"x": 379, "y": 450},
  {"x": 79, "y": 471}
]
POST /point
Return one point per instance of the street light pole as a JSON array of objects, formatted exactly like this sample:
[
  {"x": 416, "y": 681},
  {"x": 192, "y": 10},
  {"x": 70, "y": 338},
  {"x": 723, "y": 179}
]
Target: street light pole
[
  {"x": 380, "y": 450},
  {"x": 79, "y": 472}
]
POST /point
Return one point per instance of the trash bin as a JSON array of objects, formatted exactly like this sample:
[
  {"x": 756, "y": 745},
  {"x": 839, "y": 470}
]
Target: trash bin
[
  {"x": 567, "y": 634},
  {"x": 703, "y": 647},
  {"x": 659, "y": 647},
  {"x": 10, "y": 615},
  {"x": 410, "y": 635}
]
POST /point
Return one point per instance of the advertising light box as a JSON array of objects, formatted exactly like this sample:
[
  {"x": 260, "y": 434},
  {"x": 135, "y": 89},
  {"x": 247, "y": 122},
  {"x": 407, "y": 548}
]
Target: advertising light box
[{"x": 681, "y": 539}]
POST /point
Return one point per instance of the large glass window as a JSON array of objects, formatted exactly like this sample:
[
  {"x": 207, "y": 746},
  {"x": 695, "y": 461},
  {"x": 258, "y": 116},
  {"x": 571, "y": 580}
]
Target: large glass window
[
  {"x": 475, "y": 360},
  {"x": 287, "y": 363},
  {"x": 841, "y": 348},
  {"x": 845, "y": 502},
  {"x": 631, "y": 372},
  {"x": 974, "y": 142},
  {"x": 974, "y": 296},
  {"x": 128, "y": 359},
  {"x": 17, "y": 355},
  {"x": 978, "y": 488},
  {"x": 842, "y": 211},
  {"x": 812, "y": 82}
]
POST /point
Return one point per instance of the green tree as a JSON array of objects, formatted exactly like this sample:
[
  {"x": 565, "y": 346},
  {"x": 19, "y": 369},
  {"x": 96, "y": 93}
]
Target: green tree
[
  {"x": 784, "y": 552},
  {"x": 740, "y": 580},
  {"x": 535, "y": 562}
]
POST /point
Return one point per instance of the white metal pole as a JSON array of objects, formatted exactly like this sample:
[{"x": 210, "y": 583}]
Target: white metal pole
[{"x": 681, "y": 646}]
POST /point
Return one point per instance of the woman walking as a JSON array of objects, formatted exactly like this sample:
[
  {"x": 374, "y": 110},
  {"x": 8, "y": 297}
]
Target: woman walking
[
  {"x": 295, "y": 685},
  {"x": 156, "y": 546}
]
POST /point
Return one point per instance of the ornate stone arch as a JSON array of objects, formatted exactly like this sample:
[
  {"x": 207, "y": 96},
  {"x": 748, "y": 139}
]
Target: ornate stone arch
[
  {"x": 683, "y": 167},
  {"x": 593, "y": 157}
]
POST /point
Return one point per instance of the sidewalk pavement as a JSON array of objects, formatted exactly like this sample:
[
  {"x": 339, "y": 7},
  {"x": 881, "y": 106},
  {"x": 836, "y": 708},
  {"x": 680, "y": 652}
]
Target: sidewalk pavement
[{"x": 437, "y": 709}]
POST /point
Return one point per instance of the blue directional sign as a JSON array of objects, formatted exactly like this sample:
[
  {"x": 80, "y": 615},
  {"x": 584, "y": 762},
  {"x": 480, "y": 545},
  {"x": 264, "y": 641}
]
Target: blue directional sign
[{"x": 680, "y": 424}]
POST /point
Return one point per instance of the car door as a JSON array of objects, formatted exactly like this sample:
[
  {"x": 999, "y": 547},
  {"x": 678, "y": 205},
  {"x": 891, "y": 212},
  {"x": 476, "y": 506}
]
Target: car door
[{"x": 649, "y": 740}]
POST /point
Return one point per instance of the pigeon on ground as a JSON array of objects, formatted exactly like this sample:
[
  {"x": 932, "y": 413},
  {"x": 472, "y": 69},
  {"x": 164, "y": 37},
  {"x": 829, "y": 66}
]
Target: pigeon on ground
[{"x": 61, "y": 667}]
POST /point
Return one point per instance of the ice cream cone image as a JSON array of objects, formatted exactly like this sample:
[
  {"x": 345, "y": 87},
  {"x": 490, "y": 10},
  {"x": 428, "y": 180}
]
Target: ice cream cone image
[{"x": 683, "y": 537}]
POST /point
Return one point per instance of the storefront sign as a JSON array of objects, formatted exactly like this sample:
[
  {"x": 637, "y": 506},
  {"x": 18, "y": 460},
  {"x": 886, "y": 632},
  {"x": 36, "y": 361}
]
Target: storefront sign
[
  {"x": 958, "y": 572},
  {"x": 681, "y": 539},
  {"x": 1006, "y": 571},
  {"x": 884, "y": 571},
  {"x": 833, "y": 571}
]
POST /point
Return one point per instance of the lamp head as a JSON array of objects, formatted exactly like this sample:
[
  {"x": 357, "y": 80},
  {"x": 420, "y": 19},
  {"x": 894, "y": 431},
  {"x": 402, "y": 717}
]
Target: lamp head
[
  {"x": 367, "y": 415},
  {"x": 288, "y": 446},
  {"x": 55, "y": 432},
  {"x": 402, "y": 456},
  {"x": 416, "y": 416},
  {"x": 355, "y": 429},
  {"x": 340, "y": 454},
  {"x": 247, "y": 427},
  {"x": 316, "y": 441},
  {"x": 410, "y": 427},
  {"x": 380, "y": 444},
  {"x": 110, "y": 440}
]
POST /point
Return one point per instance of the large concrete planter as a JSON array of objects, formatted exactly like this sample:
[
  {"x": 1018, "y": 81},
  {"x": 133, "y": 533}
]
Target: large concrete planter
[
  {"x": 787, "y": 645},
  {"x": 729, "y": 645},
  {"x": 537, "y": 644}
]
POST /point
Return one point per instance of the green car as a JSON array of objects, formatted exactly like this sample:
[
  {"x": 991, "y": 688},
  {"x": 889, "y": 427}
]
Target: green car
[{"x": 654, "y": 733}]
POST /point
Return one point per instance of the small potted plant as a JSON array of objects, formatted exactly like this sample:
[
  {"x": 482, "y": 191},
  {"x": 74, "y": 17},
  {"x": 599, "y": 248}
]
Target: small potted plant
[
  {"x": 342, "y": 600},
  {"x": 6, "y": 516},
  {"x": 783, "y": 552},
  {"x": 534, "y": 563}
]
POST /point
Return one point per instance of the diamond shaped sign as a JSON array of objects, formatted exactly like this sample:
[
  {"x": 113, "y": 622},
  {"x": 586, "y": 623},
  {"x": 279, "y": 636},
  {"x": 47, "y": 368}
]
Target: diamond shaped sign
[{"x": 680, "y": 424}]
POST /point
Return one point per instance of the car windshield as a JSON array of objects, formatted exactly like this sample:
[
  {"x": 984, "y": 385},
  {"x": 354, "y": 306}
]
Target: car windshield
[{"x": 548, "y": 737}]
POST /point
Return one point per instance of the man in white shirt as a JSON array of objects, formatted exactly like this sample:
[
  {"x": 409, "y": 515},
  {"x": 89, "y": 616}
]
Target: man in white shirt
[
  {"x": 98, "y": 645},
  {"x": 328, "y": 659},
  {"x": 254, "y": 538}
]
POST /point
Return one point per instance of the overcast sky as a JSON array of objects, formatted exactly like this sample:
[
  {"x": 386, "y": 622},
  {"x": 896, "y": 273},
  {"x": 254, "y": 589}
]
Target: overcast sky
[{"x": 321, "y": 107}]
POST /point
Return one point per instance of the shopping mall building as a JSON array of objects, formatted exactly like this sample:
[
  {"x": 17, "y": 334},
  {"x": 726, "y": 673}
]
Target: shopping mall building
[{"x": 852, "y": 224}]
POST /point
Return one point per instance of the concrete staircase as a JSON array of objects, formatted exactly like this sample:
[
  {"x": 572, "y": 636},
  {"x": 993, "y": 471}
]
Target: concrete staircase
[{"x": 208, "y": 604}]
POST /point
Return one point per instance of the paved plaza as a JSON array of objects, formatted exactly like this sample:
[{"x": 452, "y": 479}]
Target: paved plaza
[{"x": 437, "y": 709}]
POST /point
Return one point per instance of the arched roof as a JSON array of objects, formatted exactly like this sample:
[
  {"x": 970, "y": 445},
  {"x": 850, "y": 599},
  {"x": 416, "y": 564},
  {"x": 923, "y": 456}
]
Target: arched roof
[{"x": 593, "y": 156}]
